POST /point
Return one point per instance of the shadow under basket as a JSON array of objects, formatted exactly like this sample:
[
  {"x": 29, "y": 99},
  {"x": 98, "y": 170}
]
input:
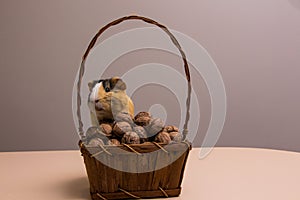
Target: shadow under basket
[{"x": 109, "y": 183}]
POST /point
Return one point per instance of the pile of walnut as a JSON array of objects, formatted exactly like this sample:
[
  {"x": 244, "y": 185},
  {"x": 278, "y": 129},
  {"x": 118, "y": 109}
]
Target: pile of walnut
[{"x": 143, "y": 128}]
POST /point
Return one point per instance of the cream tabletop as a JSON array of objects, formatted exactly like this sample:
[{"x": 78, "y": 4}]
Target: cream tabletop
[{"x": 226, "y": 173}]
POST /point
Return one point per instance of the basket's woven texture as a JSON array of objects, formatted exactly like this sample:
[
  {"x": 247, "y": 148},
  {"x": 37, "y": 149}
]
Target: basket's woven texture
[{"x": 109, "y": 183}]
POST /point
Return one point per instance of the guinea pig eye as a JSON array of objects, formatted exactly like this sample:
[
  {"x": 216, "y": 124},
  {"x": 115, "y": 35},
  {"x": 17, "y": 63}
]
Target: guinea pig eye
[{"x": 107, "y": 89}]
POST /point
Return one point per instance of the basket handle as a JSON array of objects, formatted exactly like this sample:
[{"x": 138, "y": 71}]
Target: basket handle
[{"x": 92, "y": 44}]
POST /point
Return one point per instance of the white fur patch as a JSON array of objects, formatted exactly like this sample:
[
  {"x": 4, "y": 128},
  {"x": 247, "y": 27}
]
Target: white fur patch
[{"x": 94, "y": 93}]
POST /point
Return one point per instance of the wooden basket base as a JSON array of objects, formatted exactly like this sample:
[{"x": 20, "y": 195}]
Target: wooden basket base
[
  {"x": 137, "y": 194},
  {"x": 109, "y": 183}
]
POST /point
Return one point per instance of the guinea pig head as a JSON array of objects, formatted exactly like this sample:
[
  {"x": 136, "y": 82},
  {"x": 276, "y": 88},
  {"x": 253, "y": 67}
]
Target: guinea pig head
[
  {"x": 115, "y": 83},
  {"x": 102, "y": 93}
]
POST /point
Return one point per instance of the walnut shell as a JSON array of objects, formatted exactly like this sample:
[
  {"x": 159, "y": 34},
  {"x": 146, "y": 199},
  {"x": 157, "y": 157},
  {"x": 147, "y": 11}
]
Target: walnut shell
[
  {"x": 120, "y": 128},
  {"x": 142, "y": 118},
  {"x": 141, "y": 133},
  {"x": 156, "y": 125},
  {"x": 142, "y": 121},
  {"x": 175, "y": 136},
  {"x": 123, "y": 117},
  {"x": 131, "y": 138},
  {"x": 163, "y": 137},
  {"x": 142, "y": 114},
  {"x": 106, "y": 129},
  {"x": 113, "y": 142},
  {"x": 170, "y": 129}
]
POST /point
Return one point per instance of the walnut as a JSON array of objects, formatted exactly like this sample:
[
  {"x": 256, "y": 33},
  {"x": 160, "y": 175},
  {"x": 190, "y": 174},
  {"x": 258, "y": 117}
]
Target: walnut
[
  {"x": 170, "y": 129},
  {"x": 120, "y": 128},
  {"x": 113, "y": 142},
  {"x": 131, "y": 138},
  {"x": 175, "y": 136},
  {"x": 142, "y": 118},
  {"x": 142, "y": 114},
  {"x": 106, "y": 129},
  {"x": 155, "y": 126},
  {"x": 142, "y": 121},
  {"x": 163, "y": 137},
  {"x": 174, "y": 133},
  {"x": 141, "y": 133},
  {"x": 123, "y": 117}
]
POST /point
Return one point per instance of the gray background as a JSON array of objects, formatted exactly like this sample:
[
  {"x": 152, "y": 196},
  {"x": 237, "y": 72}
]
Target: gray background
[{"x": 256, "y": 45}]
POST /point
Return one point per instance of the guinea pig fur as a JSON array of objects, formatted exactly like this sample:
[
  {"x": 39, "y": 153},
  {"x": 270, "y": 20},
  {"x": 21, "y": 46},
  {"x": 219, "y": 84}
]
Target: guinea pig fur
[{"x": 107, "y": 98}]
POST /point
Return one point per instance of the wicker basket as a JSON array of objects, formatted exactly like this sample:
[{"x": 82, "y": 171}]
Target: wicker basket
[{"x": 110, "y": 183}]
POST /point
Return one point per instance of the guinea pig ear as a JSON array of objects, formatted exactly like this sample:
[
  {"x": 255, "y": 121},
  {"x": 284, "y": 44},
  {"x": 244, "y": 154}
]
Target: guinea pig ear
[
  {"x": 117, "y": 83},
  {"x": 91, "y": 84}
]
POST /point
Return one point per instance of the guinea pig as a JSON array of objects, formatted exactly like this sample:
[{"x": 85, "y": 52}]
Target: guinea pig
[{"x": 107, "y": 98}]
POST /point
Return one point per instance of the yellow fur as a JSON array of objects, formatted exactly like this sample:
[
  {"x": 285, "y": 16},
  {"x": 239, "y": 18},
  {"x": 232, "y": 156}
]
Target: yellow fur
[{"x": 112, "y": 102}]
